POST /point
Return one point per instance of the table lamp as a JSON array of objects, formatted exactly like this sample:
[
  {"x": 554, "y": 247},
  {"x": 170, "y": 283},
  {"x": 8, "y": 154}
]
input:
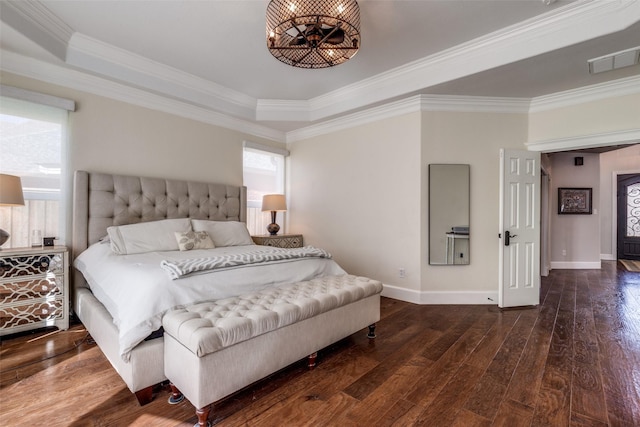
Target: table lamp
[
  {"x": 273, "y": 203},
  {"x": 10, "y": 195}
]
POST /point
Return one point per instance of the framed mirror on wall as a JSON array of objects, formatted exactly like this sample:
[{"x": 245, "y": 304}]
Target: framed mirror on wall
[{"x": 449, "y": 213}]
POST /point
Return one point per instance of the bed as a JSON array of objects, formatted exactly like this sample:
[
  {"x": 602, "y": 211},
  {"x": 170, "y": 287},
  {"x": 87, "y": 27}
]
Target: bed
[{"x": 111, "y": 211}]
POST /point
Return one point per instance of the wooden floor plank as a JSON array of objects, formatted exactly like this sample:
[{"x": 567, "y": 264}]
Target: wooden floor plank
[
  {"x": 445, "y": 408},
  {"x": 512, "y": 413},
  {"x": 587, "y": 397},
  {"x": 527, "y": 377},
  {"x": 553, "y": 406},
  {"x": 434, "y": 379},
  {"x": 382, "y": 400}
]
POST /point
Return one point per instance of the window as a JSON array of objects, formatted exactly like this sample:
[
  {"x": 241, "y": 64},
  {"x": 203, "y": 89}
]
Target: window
[
  {"x": 32, "y": 143},
  {"x": 263, "y": 173}
]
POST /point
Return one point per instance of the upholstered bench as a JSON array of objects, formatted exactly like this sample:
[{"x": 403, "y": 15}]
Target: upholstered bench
[{"x": 216, "y": 348}]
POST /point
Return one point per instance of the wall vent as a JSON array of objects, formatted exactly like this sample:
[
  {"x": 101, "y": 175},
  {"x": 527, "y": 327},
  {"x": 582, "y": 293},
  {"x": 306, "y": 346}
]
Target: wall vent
[{"x": 613, "y": 61}]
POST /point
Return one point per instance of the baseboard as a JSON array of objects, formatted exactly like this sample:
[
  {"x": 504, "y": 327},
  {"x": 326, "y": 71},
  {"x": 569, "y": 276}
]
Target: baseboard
[
  {"x": 402, "y": 294},
  {"x": 441, "y": 297},
  {"x": 608, "y": 257},
  {"x": 575, "y": 265}
]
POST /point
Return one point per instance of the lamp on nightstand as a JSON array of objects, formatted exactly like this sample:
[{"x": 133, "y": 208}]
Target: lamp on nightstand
[
  {"x": 273, "y": 203},
  {"x": 10, "y": 195}
]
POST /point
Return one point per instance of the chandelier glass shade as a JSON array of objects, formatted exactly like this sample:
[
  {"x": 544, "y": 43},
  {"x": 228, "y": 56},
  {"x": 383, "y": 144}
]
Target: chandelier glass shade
[{"x": 313, "y": 33}]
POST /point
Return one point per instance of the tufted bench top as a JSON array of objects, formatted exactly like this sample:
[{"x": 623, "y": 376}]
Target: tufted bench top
[{"x": 210, "y": 326}]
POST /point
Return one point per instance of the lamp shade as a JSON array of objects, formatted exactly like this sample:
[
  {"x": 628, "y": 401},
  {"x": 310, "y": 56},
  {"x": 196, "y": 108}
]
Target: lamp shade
[
  {"x": 11, "y": 190},
  {"x": 274, "y": 202}
]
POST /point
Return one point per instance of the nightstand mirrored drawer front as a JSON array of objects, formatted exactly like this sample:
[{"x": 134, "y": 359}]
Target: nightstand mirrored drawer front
[
  {"x": 33, "y": 312},
  {"x": 279, "y": 241},
  {"x": 28, "y": 265},
  {"x": 286, "y": 242},
  {"x": 31, "y": 288}
]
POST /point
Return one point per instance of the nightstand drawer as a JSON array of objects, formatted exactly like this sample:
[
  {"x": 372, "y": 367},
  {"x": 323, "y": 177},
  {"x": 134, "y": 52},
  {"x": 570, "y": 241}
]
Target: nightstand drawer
[
  {"x": 34, "y": 312},
  {"x": 28, "y": 265},
  {"x": 31, "y": 288},
  {"x": 279, "y": 241}
]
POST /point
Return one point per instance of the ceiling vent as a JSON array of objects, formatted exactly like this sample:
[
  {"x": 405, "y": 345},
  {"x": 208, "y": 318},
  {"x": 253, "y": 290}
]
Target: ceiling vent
[{"x": 613, "y": 61}]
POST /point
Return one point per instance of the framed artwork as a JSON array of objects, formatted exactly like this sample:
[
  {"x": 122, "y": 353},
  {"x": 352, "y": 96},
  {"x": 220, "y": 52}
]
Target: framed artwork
[{"x": 574, "y": 201}]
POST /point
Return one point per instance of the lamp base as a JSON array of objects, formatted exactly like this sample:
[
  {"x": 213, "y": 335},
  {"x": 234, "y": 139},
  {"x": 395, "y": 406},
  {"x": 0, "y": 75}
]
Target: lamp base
[
  {"x": 273, "y": 228},
  {"x": 4, "y": 236}
]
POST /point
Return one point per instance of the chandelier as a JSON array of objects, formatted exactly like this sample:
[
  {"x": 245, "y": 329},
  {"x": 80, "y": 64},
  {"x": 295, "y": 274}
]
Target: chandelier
[{"x": 313, "y": 33}]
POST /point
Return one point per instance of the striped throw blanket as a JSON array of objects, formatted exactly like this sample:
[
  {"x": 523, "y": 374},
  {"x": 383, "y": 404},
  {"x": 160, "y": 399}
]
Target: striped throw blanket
[{"x": 181, "y": 268}]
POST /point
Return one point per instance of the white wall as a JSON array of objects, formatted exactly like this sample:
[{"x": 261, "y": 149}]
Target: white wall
[
  {"x": 588, "y": 118},
  {"x": 357, "y": 193},
  {"x": 575, "y": 239},
  {"x": 612, "y": 164}
]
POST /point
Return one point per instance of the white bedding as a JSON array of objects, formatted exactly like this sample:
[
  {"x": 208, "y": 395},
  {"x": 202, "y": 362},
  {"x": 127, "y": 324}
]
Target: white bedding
[{"x": 137, "y": 291}]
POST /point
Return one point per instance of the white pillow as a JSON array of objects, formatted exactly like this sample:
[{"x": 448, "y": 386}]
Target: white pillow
[
  {"x": 224, "y": 233},
  {"x": 194, "y": 240},
  {"x": 147, "y": 236}
]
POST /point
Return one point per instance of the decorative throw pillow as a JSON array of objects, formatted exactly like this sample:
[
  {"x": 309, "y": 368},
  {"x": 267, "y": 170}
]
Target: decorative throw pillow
[
  {"x": 194, "y": 240},
  {"x": 147, "y": 236},
  {"x": 224, "y": 233}
]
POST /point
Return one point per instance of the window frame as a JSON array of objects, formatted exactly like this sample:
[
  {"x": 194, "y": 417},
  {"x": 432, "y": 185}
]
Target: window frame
[
  {"x": 38, "y": 106},
  {"x": 257, "y": 220}
]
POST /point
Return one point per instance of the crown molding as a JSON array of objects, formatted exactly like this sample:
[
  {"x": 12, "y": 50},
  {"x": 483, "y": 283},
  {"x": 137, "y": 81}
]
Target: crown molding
[
  {"x": 276, "y": 109},
  {"x": 38, "y": 23},
  {"x": 392, "y": 109},
  {"x": 79, "y": 80},
  {"x": 474, "y": 104},
  {"x": 620, "y": 87},
  {"x": 417, "y": 103},
  {"x": 104, "y": 59},
  {"x": 630, "y": 136}
]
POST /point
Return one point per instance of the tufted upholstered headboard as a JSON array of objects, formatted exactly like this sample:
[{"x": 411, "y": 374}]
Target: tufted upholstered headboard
[{"x": 101, "y": 200}]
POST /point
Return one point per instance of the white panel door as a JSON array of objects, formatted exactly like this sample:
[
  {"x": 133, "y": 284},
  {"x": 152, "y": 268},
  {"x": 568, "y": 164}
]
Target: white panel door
[{"x": 519, "y": 228}]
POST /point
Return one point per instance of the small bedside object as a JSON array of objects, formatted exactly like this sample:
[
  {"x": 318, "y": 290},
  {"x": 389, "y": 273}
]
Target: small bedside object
[
  {"x": 48, "y": 241},
  {"x": 36, "y": 238},
  {"x": 34, "y": 288},
  {"x": 10, "y": 195},
  {"x": 273, "y": 203},
  {"x": 281, "y": 241}
]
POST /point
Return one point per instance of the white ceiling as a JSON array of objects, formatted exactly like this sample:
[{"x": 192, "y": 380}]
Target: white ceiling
[{"x": 212, "y": 54}]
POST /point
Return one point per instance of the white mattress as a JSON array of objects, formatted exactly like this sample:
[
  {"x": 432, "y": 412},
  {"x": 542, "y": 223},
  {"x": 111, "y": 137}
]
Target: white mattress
[{"x": 137, "y": 291}]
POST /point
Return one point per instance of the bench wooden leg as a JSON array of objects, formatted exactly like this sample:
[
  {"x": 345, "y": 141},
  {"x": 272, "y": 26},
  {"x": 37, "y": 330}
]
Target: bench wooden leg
[
  {"x": 145, "y": 395},
  {"x": 203, "y": 415},
  {"x": 176, "y": 396},
  {"x": 372, "y": 331},
  {"x": 311, "y": 360}
]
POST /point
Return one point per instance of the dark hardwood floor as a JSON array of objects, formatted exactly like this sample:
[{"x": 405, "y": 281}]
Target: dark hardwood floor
[{"x": 572, "y": 361}]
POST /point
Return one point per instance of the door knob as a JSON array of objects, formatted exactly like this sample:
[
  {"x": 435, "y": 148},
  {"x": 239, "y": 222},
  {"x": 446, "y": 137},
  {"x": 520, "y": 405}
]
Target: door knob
[{"x": 507, "y": 237}]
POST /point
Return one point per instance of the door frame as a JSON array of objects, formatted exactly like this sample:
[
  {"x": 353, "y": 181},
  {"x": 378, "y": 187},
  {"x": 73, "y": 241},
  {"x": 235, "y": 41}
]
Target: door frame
[
  {"x": 545, "y": 221},
  {"x": 618, "y": 138},
  {"x": 614, "y": 209}
]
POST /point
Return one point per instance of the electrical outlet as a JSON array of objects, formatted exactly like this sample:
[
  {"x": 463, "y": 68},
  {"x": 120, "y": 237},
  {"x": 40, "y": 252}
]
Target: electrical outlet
[
  {"x": 402, "y": 273},
  {"x": 564, "y": 252}
]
